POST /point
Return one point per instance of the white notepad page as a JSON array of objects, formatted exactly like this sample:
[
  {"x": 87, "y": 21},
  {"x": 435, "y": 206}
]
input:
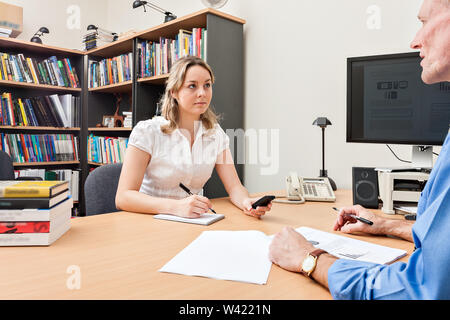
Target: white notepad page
[
  {"x": 226, "y": 255},
  {"x": 205, "y": 219}
]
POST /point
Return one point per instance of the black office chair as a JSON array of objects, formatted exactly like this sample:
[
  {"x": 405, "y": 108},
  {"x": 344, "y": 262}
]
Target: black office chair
[
  {"x": 100, "y": 189},
  {"x": 7, "y": 169}
]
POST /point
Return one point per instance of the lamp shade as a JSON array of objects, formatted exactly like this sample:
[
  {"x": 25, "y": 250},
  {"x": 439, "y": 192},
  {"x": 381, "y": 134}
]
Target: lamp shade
[
  {"x": 36, "y": 39},
  {"x": 322, "y": 122},
  {"x": 137, "y": 3}
]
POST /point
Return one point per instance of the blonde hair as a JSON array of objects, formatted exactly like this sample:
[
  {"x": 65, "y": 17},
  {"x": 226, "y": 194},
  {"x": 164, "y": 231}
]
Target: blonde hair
[{"x": 170, "y": 109}]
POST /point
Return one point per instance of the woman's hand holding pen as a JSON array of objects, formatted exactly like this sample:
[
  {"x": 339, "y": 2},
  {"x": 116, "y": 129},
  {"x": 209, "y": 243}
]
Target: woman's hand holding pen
[
  {"x": 348, "y": 224},
  {"x": 258, "y": 212},
  {"x": 191, "y": 207}
]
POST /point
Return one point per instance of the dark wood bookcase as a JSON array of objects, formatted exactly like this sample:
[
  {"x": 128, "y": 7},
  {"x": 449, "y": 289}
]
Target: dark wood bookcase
[
  {"x": 224, "y": 55},
  {"x": 27, "y": 90}
]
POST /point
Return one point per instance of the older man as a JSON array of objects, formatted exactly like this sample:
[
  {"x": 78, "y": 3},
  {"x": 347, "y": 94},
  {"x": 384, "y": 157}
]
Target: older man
[{"x": 426, "y": 275}]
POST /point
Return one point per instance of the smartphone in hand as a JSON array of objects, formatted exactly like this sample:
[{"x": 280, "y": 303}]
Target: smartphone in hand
[{"x": 263, "y": 202}]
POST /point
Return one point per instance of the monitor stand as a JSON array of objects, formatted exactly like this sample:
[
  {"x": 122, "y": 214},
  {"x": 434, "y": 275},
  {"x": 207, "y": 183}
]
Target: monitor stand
[{"x": 422, "y": 157}]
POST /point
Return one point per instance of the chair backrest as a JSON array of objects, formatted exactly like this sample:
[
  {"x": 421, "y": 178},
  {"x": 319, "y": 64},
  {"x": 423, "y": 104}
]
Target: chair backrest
[
  {"x": 100, "y": 189},
  {"x": 6, "y": 167}
]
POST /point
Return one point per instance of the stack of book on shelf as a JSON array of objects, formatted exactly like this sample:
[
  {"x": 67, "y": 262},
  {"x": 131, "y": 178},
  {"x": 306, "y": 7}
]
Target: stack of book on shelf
[
  {"x": 128, "y": 119},
  {"x": 5, "y": 33},
  {"x": 39, "y": 147},
  {"x": 105, "y": 150},
  {"x": 51, "y": 71},
  {"x": 156, "y": 58},
  {"x": 71, "y": 176},
  {"x": 97, "y": 38},
  {"x": 110, "y": 71},
  {"x": 34, "y": 213},
  {"x": 45, "y": 111}
]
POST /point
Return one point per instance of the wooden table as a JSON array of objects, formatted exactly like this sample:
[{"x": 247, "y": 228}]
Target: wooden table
[{"x": 118, "y": 256}]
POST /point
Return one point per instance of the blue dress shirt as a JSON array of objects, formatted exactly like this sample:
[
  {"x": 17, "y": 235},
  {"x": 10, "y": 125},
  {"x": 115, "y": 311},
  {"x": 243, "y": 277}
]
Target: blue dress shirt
[{"x": 426, "y": 275}]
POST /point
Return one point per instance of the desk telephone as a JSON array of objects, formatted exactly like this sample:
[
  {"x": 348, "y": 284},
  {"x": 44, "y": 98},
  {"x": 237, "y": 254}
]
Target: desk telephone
[{"x": 299, "y": 190}]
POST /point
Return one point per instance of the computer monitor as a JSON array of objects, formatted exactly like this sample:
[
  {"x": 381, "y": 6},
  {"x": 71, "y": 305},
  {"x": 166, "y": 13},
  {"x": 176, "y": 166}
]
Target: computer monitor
[{"x": 387, "y": 102}]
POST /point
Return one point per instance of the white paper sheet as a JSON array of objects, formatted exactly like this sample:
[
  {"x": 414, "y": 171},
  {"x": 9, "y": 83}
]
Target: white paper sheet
[
  {"x": 226, "y": 255},
  {"x": 348, "y": 248}
]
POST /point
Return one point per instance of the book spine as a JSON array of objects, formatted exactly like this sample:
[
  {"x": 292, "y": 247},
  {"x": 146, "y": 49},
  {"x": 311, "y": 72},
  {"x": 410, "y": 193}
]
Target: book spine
[{"x": 25, "y": 227}]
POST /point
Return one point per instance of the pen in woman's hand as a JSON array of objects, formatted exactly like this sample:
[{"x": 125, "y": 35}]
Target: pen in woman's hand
[
  {"x": 182, "y": 186},
  {"x": 356, "y": 217}
]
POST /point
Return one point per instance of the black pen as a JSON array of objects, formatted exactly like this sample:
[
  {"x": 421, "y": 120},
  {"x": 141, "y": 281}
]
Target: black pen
[
  {"x": 182, "y": 186},
  {"x": 357, "y": 218}
]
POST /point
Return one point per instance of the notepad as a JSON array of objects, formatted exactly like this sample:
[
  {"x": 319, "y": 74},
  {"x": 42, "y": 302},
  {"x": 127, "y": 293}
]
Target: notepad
[{"x": 205, "y": 219}]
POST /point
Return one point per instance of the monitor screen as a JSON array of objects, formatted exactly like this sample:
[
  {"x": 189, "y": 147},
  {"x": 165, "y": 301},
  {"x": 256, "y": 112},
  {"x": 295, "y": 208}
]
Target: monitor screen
[{"x": 387, "y": 102}]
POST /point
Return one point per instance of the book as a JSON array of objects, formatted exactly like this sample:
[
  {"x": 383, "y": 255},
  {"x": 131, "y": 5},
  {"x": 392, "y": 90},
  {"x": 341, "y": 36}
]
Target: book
[
  {"x": 25, "y": 227},
  {"x": 35, "y": 189},
  {"x": 32, "y": 203},
  {"x": 34, "y": 239},
  {"x": 27, "y": 215},
  {"x": 205, "y": 219}
]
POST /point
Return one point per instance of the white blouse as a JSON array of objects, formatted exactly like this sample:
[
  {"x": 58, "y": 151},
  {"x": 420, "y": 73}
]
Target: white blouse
[{"x": 172, "y": 160}]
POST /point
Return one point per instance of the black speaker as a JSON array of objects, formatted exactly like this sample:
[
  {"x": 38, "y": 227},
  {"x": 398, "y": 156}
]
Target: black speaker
[{"x": 365, "y": 187}]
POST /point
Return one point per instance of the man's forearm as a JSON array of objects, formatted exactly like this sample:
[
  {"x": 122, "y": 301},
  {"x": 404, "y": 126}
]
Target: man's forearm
[{"x": 398, "y": 228}]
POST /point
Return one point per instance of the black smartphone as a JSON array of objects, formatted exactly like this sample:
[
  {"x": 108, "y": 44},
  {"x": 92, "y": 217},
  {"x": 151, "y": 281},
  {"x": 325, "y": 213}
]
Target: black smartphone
[{"x": 263, "y": 202}]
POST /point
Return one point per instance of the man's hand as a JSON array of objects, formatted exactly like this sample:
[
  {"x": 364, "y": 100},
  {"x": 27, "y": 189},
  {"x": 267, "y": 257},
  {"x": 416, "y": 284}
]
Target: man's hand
[
  {"x": 347, "y": 224},
  {"x": 288, "y": 249}
]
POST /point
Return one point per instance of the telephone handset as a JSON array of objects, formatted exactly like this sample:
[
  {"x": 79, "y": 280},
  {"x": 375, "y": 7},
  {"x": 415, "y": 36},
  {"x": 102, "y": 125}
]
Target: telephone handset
[{"x": 299, "y": 189}]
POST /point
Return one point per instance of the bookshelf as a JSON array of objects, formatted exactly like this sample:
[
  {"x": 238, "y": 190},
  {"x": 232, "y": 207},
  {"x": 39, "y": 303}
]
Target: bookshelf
[
  {"x": 224, "y": 54},
  {"x": 140, "y": 95},
  {"x": 27, "y": 90}
]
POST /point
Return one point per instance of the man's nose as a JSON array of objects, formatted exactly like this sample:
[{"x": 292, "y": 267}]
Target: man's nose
[{"x": 416, "y": 43}]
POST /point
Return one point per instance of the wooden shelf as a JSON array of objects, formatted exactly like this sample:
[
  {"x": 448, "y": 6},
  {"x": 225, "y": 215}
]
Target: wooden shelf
[
  {"x": 115, "y": 48},
  {"x": 26, "y": 128},
  {"x": 121, "y": 87},
  {"x": 12, "y": 43},
  {"x": 37, "y": 164},
  {"x": 93, "y": 129},
  {"x": 160, "y": 79},
  {"x": 36, "y": 86},
  {"x": 194, "y": 20},
  {"x": 95, "y": 163}
]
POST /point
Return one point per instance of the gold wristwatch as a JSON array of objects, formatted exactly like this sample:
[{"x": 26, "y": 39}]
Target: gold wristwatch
[{"x": 310, "y": 262}]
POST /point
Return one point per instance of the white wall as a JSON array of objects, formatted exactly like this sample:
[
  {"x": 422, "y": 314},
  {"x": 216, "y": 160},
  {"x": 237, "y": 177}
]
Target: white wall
[
  {"x": 53, "y": 14},
  {"x": 295, "y": 68}
]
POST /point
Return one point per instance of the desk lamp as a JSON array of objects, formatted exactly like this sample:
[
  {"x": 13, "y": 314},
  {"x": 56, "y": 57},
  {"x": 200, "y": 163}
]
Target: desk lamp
[
  {"x": 37, "y": 37},
  {"x": 169, "y": 16},
  {"x": 323, "y": 122}
]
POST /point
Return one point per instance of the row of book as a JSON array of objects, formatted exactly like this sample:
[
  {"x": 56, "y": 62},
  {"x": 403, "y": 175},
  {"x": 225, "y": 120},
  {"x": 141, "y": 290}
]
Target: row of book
[
  {"x": 34, "y": 213},
  {"x": 156, "y": 58},
  {"x": 44, "y": 111},
  {"x": 24, "y": 148},
  {"x": 105, "y": 150},
  {"x": 110, "y": 70},
  {"x": 98, "y": 37},
  {"x": 71, "y": 176},
  {"x": 50, "y": 71}
]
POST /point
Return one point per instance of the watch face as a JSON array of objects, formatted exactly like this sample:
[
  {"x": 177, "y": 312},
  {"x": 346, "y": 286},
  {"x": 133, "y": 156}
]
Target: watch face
[{"x": 308, "y": 264}]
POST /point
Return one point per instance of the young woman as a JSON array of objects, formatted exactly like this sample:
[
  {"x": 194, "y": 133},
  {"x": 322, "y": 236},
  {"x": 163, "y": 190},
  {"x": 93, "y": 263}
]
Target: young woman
[{"x": 184, "y": 145}]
